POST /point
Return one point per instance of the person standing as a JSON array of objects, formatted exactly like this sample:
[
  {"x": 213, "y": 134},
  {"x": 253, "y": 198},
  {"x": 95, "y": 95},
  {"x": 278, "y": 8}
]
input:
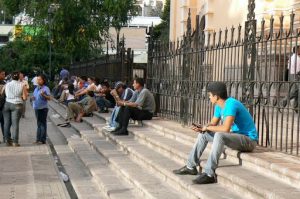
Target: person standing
[
  {"x": 41, "y": 96},
  {"x": 25, "y": 82},
  {"x": 293, "y": 77},
  {"x": 15, "y": 93},
  {"x": 2, "y": 99}
]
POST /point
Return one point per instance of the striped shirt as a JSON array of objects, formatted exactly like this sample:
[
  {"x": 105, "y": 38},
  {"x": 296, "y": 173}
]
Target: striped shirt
[{"x": 14, "y": 92}]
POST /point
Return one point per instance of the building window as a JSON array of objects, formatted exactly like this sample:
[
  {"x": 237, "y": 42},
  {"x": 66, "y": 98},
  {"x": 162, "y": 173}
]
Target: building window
[{"x": 4, "y": 39}]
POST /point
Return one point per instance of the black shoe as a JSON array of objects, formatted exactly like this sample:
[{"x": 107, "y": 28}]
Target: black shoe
[
  {"x": 120, "y": 132},
  {"x": 186, "y": 171},
  {"x": 204, "y": 179},
  {"x": 103, "y": 111}
]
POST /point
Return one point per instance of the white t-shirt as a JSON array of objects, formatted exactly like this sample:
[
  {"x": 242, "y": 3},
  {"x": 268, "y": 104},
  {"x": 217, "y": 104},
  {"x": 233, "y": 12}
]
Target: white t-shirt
[
  {"x": 294, "y": 64},
  {"x": 34, "y": 81},
  {"x": 70, "y": 96}
]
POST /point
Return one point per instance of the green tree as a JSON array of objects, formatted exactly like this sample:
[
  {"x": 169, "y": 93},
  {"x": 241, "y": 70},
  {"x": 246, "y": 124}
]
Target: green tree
[
  {"x": 78, "y": 29},
  {"x": 162, "y": 30},
  {"x": 119, "y": 13}
]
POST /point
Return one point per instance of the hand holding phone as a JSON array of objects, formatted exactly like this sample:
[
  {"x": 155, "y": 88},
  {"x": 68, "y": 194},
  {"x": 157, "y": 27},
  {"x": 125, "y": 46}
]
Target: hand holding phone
[{"x": 197, "y": 127}]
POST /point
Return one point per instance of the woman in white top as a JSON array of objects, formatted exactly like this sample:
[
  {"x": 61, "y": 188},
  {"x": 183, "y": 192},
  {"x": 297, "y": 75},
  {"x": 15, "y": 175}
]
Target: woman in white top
[{"x": 16, "y": 93}]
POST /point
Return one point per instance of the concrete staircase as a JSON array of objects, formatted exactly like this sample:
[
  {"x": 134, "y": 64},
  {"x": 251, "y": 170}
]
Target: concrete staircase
[{"x": 142, "y": 163}]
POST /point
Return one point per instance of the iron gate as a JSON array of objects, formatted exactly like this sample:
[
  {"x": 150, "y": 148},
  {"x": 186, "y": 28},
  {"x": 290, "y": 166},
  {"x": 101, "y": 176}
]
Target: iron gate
[{"x": 252, "y": 61}]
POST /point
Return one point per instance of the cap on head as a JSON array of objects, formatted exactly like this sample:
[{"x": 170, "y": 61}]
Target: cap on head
[{"x": 119, "y": 84}]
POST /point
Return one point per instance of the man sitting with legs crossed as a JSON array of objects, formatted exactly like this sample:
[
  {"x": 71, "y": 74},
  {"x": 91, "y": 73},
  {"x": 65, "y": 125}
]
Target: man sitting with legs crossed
[{"x": 237, "y": 131}]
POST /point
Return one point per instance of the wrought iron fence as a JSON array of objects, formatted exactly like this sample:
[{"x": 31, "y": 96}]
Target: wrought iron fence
[
  {"x": 252, "y": 61},
  {"x": 117, "y": 67}
]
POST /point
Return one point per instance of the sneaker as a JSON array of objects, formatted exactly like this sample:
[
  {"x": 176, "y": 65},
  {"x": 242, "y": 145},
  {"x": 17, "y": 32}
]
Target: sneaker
[
  {"x": 186, "y": 171},
  {"x": 111, "y": 129},
  {"x": 204, "y": 179},
  {"x": 16, "y": 145},
  {"x": 107, "y": 127}
]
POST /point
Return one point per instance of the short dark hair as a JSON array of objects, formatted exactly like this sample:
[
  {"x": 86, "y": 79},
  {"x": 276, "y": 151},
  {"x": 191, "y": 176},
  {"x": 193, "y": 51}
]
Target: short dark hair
[
  {"x": 83, "y": 78},
  {"x": 218, "y": 88},
  {"x": 43, "y": 77},
  {"x": 105, "y": 84},
  {"x": 140, "y": 81},
  {"x": 295, "y": 48},
  {"x": 91, "y": 93},
  {"x": 15, "y": 75}
]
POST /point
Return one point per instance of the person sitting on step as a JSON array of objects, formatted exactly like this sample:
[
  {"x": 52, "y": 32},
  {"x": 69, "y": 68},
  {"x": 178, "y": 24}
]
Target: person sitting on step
[
  {"x": 121, "y": 92},
  {"x": 140, "y": 107},
  {"x": 237, "y": 131},
  {"x": 105, "y": 100},
  {"x": 76, "y": 110}
]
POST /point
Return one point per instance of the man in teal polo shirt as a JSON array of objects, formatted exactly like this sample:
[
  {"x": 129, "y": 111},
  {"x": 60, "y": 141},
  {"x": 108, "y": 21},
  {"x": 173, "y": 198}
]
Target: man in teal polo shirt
[{"x": 237, "y": 131}]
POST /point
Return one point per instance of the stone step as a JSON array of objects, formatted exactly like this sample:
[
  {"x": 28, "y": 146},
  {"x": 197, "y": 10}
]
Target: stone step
[
  {"x": 245, "y": 182},
  {"x": 110, "y": 184},
  {"x": 82, "y": 181},
  {"x": 80, "y": 178},
  {"x": 151, "y": 160},
  {"x": 163, "y": 165},
  {"x": 108, "y": 181},
  {"x": 250, "y": 189},
  {"x": 148, "y": 185},
  {"x": 143, "y": 179},
  {"x": 265, "y": 161}
]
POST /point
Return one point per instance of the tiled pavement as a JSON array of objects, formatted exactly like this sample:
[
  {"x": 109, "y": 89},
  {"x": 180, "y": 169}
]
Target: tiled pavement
[{"x": 29, "y": 171}]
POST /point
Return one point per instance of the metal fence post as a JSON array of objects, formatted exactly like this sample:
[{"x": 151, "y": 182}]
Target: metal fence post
[
  {"x": 185, "y": 88},
  {"x": 249, "y": 56}
]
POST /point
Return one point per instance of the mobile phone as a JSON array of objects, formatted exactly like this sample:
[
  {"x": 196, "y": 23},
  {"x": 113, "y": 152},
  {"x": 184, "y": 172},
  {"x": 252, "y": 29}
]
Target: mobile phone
[{"x": 197, "y": 125}]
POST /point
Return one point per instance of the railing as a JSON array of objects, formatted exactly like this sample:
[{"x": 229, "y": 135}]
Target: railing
[
  {"x": 118, "y": 67},
  {"x": 252, "y": 62}
]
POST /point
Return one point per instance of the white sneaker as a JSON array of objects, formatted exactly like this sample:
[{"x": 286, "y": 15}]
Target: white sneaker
[
  {"x": 107, "y": 127},
  {"x": 111, "y": 129}
]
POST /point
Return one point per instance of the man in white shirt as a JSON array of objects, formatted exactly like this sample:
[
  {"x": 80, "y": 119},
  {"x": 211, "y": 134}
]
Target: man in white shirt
[{"x": 294, "y": 74}]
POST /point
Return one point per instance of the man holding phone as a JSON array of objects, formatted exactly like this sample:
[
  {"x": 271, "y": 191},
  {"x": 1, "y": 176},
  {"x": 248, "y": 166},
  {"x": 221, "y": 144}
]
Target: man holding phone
[{"x": 237, "y": 131}]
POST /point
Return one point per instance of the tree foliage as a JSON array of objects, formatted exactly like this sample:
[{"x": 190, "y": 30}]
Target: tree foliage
[
  {"x": 161, "y": 31},
  {"x": 77, "y": 29}
]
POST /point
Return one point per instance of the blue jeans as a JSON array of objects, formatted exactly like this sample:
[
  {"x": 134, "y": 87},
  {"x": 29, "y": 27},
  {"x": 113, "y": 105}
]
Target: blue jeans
[
  {"x": 103, "y": 103},
  {"x": 12, "y": 115},
  {"x": 219, "y": 140},
  {"x": 112, "y": 121},
  {"x": 41, "y": 118}
]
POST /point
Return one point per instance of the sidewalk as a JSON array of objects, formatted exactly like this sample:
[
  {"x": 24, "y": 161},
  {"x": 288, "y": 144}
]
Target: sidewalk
[{"x": 29, "y": 171}]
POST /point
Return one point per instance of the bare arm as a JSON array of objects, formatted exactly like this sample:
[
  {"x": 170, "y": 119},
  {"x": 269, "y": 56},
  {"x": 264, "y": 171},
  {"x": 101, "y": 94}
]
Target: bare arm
[
  {"x": 225, "y": 127},
  {"x": 24, "y": 93}
]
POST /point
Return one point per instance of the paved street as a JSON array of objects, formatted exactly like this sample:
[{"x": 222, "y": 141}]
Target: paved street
[{"x": 29, "y": 171}]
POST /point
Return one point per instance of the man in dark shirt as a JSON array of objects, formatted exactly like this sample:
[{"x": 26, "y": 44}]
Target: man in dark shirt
[
  {"x": 140, "y": 107},
  {"x": 105, "y": 100}
]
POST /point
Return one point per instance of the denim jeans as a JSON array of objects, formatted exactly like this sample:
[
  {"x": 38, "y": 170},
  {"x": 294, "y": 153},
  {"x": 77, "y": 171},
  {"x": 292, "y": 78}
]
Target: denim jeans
[
  {"x": 112, "y": 121},
  {"x": 103, "y": 103},
  {"x": 12, "y": 115},
  {"x": 125, "y": 113},
  {"x": 219, "y": 140},
  {"x": 41, "y": 118}
]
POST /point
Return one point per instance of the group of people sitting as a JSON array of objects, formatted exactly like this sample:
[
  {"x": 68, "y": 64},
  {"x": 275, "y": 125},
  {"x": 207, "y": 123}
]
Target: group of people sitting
[{"x": 83, "y": 96}]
